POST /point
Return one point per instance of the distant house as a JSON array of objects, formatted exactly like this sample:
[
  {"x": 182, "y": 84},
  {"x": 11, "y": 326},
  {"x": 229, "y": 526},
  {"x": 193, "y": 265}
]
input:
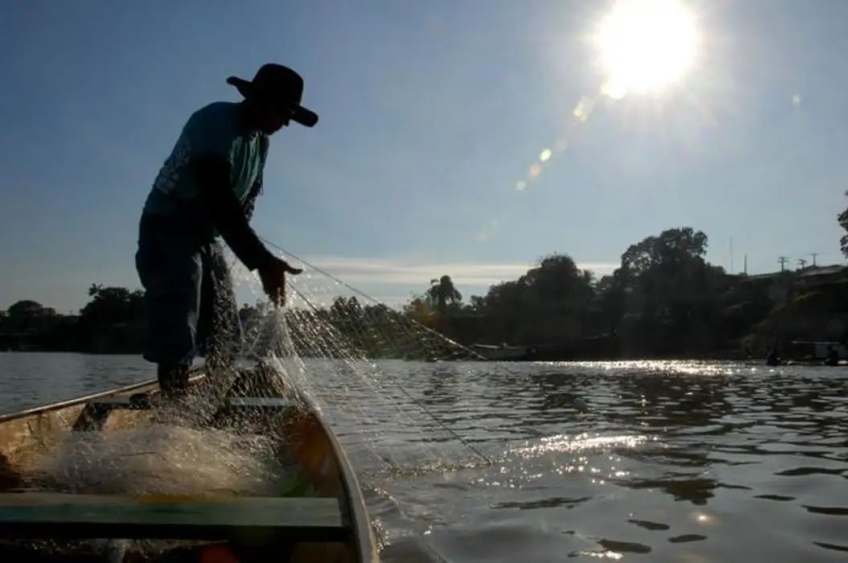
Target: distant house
[
  {"x": 813, "y": 276},
  {"x": 763, "y": 278},
  {"x": 808, "y": 277},
  {"x": 780, "y": 286}
]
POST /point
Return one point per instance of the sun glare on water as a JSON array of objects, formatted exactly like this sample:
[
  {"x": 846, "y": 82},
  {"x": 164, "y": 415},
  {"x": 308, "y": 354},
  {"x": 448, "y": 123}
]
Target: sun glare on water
[{"x": 646, "y": 45}]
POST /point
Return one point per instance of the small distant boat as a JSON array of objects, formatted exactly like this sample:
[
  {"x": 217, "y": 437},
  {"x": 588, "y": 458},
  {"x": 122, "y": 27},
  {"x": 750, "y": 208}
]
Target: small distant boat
[
  {"x": 324, "y": 521},
  {"x": 502, "y": 352},
  {"x": 812, "y": 353}
]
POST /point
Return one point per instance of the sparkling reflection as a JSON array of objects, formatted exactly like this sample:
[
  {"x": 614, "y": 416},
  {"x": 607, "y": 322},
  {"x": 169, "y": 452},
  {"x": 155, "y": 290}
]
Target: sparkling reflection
[{"x": 665, "y": 448}]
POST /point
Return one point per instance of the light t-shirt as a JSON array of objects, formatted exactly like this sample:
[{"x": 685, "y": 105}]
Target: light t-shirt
[{"x": 217, "y": 129}]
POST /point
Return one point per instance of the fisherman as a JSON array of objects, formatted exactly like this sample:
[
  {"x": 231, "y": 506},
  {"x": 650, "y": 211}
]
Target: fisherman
[
  {"x": 832, "y": 358},
  {"x": 773, "y": 357},
  {"x": 207, "y": 187}
]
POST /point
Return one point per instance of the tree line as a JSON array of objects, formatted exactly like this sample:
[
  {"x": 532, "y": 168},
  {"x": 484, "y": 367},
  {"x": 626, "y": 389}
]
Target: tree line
[
  {"x": 112, "y": 322},
  {"x": 663, "y": 300}
]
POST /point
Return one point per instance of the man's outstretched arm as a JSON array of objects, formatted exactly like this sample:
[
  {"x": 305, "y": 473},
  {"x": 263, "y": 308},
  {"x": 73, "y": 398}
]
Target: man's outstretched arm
[
  {"x": 228, "y": 218},
  {"x": 226, "y": 212}
]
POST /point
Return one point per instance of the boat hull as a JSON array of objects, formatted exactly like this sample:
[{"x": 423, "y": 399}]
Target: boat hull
[{"x": 324, "y": 471}]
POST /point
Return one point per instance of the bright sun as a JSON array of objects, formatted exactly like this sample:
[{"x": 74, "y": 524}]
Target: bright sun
[{"x": 646, "y": 45}]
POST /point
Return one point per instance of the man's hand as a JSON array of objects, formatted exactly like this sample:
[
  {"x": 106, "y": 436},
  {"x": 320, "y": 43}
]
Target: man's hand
[{"x": 273, "y": 276}]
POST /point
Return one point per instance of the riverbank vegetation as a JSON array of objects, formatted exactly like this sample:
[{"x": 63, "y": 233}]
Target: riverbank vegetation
[{"x": 664, "y": 300}]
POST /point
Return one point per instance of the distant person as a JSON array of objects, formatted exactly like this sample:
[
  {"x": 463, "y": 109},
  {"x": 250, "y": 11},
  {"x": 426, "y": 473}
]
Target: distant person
[
  {"x": 207, "y": 187},
  {"x": 773, "y": 358},
  {"x": 832, "y": 356}
]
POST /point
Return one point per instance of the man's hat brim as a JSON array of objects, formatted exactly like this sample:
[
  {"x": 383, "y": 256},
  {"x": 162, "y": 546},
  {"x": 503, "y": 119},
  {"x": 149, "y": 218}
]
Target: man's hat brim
[{"x": 305, "y": 117}]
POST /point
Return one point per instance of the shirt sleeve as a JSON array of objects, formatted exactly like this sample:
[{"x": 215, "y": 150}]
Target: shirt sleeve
[{"x": 256, "y": 188}]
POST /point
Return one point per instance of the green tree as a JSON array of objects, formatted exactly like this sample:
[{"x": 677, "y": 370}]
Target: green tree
[
  {"x": 25, "y": 309},
  {"x": 665, "y": 293},
  {"x": 111, "y": 305},
  {"x": 27, "y": 316},
  {"x": 550, "y": 304},
  {"x": 672, "y": 249},
  {"x": 420, "y": 311}
]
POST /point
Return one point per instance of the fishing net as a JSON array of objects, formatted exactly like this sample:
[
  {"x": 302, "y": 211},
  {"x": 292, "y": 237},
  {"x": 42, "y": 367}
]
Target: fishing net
[
  {"x": 377, "y": 376},
  {"x": 354, "y": 358},
  {"x": 357, "y": 361}
]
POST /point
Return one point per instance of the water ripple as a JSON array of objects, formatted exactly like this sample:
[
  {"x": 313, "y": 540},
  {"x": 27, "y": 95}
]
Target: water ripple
[{"x": 609, "y": 460}]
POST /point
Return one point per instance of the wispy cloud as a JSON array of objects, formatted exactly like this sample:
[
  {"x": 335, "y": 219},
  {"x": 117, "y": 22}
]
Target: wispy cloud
[
  {"x": 393, "y": 282},
  {"x": 410, "y": 273}
]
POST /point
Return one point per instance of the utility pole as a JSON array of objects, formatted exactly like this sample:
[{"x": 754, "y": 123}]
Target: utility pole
[
  {"x": 783, "y": 260},
  {"x": 746, "y": 264},
  {"x": 801, "y": 263},
  {"x": 731, "y": 255},
  {"x": 814, "y": 254}
]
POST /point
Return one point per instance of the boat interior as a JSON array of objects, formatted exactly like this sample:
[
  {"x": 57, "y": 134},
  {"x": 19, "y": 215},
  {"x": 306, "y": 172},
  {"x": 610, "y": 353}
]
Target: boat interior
[{"x": 322, "y": 517}]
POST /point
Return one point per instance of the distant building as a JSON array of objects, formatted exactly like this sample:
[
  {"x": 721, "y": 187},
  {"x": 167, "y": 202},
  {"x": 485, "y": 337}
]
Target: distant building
[
  {"x": 779, "y": 286},
  {"x": 811, "y": 276},
  {"x": 820, "y": 275}
]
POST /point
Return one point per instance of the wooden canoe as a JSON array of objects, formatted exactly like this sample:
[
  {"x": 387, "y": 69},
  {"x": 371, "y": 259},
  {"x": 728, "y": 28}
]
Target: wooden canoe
[{"x": 324, "y": 520}]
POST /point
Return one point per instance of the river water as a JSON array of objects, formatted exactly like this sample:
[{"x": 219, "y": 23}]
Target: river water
[{"x": 688, "y": 462}]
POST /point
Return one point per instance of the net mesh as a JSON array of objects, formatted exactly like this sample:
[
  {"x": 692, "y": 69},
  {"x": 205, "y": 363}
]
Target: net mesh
[
  {"x": 344, "y": 353},
  {"x": 350, "y": 354}
]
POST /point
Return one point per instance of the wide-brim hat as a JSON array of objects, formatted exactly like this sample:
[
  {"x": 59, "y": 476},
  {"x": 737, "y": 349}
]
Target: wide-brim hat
[{"x": 277, "y": 84}]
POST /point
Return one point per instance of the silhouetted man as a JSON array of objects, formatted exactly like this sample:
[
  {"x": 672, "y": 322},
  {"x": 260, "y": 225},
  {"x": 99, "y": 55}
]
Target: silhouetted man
[{"x": 207, "y": 187}]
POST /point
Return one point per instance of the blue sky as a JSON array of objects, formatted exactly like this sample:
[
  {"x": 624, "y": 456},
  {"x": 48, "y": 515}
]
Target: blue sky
[{"x": 431, "y": 113}]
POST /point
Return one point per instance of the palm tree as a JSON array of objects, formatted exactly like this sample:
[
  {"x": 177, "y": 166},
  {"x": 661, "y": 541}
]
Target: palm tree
[{"x": 442, "y": 292}]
